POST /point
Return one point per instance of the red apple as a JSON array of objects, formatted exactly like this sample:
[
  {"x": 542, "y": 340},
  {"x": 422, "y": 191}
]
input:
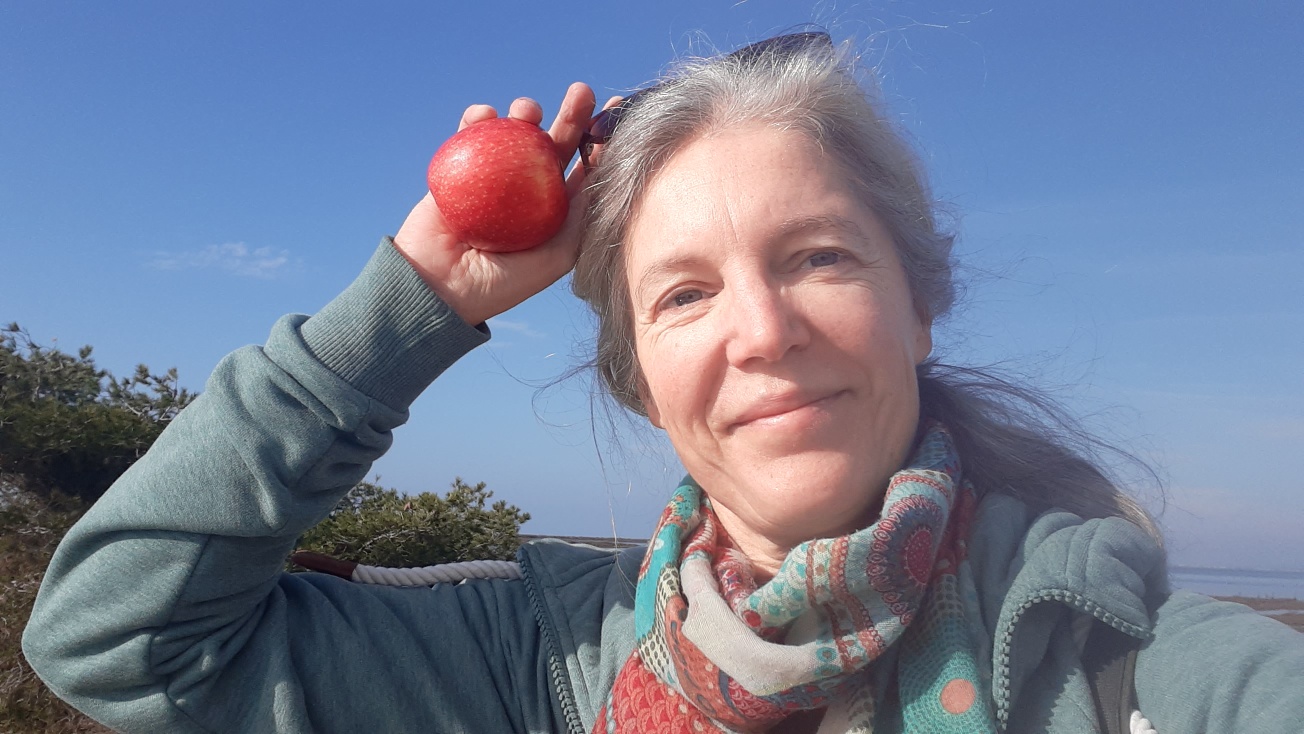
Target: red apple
[{"x": 499, "y": 185}]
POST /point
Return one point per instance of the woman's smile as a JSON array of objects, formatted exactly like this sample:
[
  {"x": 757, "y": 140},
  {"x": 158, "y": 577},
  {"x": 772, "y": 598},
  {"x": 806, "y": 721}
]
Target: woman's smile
[{"x": 795, "y": 411}]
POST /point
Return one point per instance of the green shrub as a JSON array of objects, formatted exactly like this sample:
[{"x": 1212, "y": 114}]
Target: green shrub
[
  {"x": 379, "y": 527},
  {"x": 67, "y": 425}
]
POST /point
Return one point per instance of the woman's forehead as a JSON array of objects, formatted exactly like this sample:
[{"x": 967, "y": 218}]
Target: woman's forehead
[{"x": 752, "y": 184}]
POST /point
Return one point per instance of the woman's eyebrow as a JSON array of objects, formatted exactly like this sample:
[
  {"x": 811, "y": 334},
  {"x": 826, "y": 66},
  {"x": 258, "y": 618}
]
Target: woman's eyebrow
[
  {"x": 658, "y": 270},
  {"x": 820, "y": 223}
]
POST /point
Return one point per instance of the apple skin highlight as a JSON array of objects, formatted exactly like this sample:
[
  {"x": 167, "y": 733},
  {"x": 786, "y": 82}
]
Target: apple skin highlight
[{"x": 499, "y": 185}]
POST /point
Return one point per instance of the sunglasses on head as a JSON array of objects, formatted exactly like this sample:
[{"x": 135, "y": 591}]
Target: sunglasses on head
[{"x": 604, "y": 124}]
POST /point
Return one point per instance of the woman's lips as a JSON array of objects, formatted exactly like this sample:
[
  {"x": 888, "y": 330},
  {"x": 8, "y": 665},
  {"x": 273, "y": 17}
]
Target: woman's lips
[{"x": 775, "y": 410}]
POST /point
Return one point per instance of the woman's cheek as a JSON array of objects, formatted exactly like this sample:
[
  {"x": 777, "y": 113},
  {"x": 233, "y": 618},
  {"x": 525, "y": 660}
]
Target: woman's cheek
[{"x": 678, "y": 368}]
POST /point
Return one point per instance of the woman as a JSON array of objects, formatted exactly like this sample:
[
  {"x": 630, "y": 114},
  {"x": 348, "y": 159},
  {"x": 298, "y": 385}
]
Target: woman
[{"x": 866, "y": 540}]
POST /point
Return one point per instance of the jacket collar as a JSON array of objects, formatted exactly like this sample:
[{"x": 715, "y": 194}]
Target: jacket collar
[
  {"x": 583, "y": 598},
  {"x": 1028, "y": 569}
]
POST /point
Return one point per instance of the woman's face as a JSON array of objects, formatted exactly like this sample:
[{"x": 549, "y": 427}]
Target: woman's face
[{"x": 775, "y": 332}]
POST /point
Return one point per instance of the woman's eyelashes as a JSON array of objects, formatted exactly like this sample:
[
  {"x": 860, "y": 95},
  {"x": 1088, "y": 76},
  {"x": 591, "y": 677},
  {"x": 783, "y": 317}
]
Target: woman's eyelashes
[
  {"x": 683, "y": 297},
  {"x": 826, "y": 258}
]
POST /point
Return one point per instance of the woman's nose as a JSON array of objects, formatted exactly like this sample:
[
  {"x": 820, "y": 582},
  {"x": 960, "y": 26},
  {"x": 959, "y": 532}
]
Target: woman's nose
[{"x": 764, "y": 323}]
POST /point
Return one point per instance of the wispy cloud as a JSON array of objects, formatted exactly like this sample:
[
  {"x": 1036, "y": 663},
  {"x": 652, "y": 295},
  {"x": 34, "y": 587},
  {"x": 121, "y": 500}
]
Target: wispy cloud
[
  {"x": 519, "y": 327},
  {"x": 236, "y": 258}
]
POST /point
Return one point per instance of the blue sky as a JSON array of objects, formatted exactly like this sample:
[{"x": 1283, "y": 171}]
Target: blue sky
[{"x": 1127, "y": 180}]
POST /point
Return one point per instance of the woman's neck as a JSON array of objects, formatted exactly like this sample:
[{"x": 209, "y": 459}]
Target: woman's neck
[{"x": 765, "y": 554}]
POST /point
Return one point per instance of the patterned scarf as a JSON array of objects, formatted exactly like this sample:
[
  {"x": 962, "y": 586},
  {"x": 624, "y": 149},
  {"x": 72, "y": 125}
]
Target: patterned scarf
[{"x": 718, "y": 654}]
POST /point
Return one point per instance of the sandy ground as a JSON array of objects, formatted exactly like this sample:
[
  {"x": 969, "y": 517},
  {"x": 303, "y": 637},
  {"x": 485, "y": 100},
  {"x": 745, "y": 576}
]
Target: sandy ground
[{"x": 1289, "y": 612}]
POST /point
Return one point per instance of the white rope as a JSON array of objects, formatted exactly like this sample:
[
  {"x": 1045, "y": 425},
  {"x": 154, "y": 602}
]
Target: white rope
[{"x": 444, "y": 573}]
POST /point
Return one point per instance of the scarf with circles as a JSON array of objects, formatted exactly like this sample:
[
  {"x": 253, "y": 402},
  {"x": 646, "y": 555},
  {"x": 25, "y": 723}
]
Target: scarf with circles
[{"x": 869, "y": 627}]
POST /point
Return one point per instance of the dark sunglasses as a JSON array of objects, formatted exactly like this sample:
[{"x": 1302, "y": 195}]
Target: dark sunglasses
[{"x": 604, "y": 124}]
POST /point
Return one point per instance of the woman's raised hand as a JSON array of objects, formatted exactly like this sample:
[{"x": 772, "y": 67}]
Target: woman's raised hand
[{"x": 478, "y": 284}]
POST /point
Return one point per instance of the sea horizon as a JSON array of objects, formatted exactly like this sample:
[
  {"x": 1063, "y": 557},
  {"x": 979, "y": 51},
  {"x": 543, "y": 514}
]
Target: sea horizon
[{"x": 1250, "y": 582}]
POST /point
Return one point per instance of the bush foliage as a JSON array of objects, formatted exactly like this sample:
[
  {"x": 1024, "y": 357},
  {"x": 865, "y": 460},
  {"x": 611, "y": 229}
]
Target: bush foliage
[
  {"x": 67, "y": 425},
  {"x": 379, "y": 527},
  {"x": 68, "y": 429}
]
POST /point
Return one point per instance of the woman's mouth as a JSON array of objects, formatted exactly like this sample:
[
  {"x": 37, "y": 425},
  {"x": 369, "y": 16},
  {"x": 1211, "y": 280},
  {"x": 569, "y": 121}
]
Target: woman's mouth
[{"x": 781, "y": 410}]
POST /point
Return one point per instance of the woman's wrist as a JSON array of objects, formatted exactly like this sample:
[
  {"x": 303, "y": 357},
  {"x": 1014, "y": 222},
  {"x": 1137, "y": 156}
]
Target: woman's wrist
[{"x": 389, "y": 334}]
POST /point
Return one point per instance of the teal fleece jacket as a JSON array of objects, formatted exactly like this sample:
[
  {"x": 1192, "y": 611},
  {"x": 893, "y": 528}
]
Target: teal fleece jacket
[{"x": 165, "y": 608}]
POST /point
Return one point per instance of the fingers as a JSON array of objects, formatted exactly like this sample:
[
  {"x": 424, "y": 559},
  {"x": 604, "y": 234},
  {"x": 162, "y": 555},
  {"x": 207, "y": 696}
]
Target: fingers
[
  {"x": 567, "y": 128},
  {"x": 596, "y": 154},
  {"x": 524, "y": 108},
  {"x": 572, "y": 120},
  {"x": 476, "y": 113},
  {"x": 576, "y": 109}
]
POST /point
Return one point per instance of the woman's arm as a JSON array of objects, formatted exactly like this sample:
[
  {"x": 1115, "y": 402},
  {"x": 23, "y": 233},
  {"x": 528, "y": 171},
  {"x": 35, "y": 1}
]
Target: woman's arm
[
  {"x": 165, "y": 609},
  {"x": 1215, "y": 666}
]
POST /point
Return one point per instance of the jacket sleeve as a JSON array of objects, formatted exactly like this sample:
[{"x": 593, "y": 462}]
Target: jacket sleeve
[
  {"x": 165, "y": 609},
  {"x": 1215, "y": 666}
]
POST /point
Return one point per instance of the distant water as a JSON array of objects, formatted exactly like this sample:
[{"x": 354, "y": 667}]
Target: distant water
[{"x": 1238, "y": 582}]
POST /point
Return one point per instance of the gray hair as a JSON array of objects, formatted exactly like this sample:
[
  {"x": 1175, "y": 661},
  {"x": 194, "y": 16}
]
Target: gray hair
[{"x": 1012, "y": 439}]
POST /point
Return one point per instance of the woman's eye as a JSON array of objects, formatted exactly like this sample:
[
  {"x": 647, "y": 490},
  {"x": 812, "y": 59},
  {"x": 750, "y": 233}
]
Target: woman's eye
[
  {"x": 684, "y": 298},
  {"x": 824, "y": 259}
]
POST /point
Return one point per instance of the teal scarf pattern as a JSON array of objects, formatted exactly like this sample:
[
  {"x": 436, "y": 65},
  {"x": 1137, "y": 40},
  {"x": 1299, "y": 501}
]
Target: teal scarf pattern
[{"x": 719, "y": 653}]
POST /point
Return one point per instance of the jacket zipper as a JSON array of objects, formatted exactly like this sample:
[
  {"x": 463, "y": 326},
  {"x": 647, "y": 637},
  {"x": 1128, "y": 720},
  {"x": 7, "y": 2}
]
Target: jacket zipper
[
  {"x": 556, "y": 666},
  {"x": 1068, "y": 598}
]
